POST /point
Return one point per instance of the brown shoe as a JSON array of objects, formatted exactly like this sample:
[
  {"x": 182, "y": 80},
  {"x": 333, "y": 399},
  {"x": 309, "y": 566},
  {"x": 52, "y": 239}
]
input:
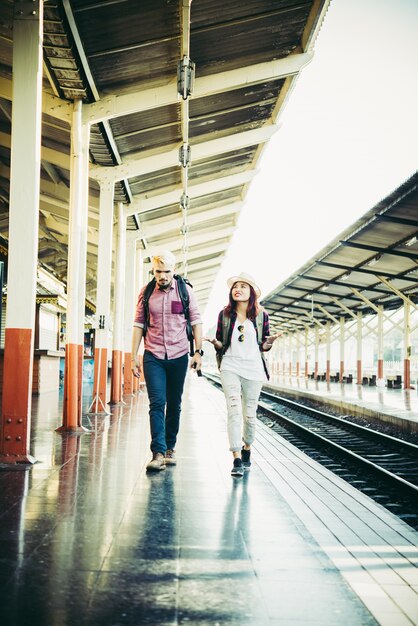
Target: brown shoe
[
  {"x": 157, "y": 463},
  {"x": 170, "y": 457}
]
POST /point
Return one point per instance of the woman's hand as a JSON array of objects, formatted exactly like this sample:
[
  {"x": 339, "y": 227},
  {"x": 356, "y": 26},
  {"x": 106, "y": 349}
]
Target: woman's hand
[
  {"x": 217, "y": 344},
  {"x": 268, "y": 341}
]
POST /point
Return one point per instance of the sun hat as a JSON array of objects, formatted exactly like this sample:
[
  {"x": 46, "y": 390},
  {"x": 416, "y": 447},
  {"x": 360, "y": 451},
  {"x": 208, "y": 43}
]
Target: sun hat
[{"x": 244, "y": 278}]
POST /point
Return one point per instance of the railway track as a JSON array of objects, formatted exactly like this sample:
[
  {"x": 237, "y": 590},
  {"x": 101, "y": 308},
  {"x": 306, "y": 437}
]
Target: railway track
[{"x": 384, "y": 467}]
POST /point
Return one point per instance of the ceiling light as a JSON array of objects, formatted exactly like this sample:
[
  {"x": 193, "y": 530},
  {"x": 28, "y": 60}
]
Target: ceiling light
[
  {"x": 411, "y": 241},
  {"x": 345, "y": 276}
]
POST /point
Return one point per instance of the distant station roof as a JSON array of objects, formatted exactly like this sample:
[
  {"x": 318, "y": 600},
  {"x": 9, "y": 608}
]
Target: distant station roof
[
  {"x": 372, "y": 263},
  {"x": 120, "y": 57}
]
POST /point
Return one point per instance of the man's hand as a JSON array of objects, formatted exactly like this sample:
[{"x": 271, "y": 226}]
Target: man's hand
[
  {"x": 196, "y": 362},
  {"x": 136, "y": 367}
]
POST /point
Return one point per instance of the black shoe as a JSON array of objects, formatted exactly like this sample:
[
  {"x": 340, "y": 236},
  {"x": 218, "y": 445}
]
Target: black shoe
[
  {"x": 245, "y": 457},
  {"x": 237, "y": 469}
]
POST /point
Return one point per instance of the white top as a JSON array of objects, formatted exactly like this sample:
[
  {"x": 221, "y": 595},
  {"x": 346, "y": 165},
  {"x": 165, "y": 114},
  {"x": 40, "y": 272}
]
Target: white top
[{"x": 243, "y": 357}]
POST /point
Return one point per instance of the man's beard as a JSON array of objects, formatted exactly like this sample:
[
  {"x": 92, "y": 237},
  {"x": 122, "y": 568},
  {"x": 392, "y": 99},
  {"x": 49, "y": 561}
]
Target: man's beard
[{"x": 165, "y": 286}]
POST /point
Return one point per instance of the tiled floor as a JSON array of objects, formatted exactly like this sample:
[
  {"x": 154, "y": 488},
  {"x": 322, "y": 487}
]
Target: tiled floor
[{"x": 88, "y": 538}]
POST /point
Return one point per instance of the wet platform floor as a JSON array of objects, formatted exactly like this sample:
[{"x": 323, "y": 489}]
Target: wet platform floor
[{"x": 88, "y": 538}]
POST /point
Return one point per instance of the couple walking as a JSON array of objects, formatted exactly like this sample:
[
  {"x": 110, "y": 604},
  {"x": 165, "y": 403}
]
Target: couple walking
[{"x": 168, "y": 319}]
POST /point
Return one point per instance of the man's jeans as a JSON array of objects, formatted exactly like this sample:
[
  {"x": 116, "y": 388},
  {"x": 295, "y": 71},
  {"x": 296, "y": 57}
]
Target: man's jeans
[
  {"x": 241, "y": 402},
  {"x": 165, "y": 381}
]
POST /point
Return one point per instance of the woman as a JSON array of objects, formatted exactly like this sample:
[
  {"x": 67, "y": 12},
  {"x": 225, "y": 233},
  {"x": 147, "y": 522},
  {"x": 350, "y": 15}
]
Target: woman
[{"x": 242, "y": 337}]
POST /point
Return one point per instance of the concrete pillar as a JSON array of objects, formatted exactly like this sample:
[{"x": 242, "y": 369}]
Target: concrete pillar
[
  {"x": 316, "y": 351},
  {"x": 104, "y": 278},
  {"x": 342, "y": 347},
  {"x": 380, "y": 344},
  {"x": 306, "y": 353},
  {"x": 129, "y": 311},
  {"x": 23, "y": 233},
  {"x": 328, "y": 367},
  {"x": 407, "y": 346},
  {"x": 76, "y": 276},
  {"x": 359, "y": 348},
  {"x": 119, "y": 297}
]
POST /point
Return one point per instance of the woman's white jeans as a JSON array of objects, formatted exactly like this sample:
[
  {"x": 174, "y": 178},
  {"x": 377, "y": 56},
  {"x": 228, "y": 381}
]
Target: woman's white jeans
[{"x": 241, "y": 397}]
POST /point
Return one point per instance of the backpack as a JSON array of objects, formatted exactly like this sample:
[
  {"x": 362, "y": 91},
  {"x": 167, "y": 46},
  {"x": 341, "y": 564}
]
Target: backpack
[
  {"x": 185, "y": 300},
  {"x": 226, "y": 324}
]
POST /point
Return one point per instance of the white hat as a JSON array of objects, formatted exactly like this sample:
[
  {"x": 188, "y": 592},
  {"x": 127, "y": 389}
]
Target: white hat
[{"x": 244, "y": 278}]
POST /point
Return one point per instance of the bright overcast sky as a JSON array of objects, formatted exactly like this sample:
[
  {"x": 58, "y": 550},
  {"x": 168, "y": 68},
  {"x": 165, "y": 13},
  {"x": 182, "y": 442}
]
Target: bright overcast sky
[{"x": 347, "y": 137}]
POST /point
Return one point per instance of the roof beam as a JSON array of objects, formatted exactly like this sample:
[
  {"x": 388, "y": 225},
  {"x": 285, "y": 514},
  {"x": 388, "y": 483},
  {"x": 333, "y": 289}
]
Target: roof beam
[
  {"x": 143, "y": 203},
  {"x": 116, "y": 106},
  {"x": 157, "y": 228},
  {"x": 363, "y": 271},
  {"x": 360, "y": 246},
  {"x": 140, "y": 164}
]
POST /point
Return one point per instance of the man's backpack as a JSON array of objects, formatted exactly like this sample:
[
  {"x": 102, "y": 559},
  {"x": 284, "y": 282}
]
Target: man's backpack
[{"x": 185, "y": 300}]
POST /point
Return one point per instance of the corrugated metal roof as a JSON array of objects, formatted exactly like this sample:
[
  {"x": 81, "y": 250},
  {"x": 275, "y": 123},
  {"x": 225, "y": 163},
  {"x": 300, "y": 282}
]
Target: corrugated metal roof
[
  {"x": 93, "y": 49},
  {"x": 376, "y": 258}
]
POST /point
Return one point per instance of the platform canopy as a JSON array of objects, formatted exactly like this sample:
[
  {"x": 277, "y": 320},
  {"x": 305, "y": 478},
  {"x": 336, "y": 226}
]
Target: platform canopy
[
  {"x": 372, "y": 264},
  {"x": 121, "y": 58}
]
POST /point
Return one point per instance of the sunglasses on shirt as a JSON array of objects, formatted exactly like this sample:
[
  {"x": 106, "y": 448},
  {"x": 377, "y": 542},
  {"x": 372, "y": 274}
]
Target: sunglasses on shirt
[{"x": 241, "y": 330}]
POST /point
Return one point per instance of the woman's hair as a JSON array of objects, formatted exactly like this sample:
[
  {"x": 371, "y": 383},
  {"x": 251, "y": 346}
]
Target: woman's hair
[{"x": 253, "y": 307}]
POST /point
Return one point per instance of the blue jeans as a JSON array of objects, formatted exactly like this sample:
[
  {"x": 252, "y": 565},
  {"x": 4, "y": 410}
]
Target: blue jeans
[{"x": 165, "y": 381}]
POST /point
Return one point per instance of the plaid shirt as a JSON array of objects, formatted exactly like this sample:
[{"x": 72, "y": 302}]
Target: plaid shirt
[{"x": 166, "y": 334}]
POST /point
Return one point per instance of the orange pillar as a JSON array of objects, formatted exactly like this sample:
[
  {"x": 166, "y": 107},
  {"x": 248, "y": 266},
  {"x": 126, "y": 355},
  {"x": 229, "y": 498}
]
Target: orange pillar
[
  {"x": 116, "y": 384},
  {"x": 128, "y": 377}
]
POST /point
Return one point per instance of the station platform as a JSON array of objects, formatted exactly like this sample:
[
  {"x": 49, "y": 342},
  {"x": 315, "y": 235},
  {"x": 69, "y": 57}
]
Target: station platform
[
  {"x": 398, "y": 407},
  {"x": 87, "y": 537}
]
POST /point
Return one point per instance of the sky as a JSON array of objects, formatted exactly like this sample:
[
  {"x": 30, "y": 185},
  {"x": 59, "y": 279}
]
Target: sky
[{"x": 347, "y": 137}]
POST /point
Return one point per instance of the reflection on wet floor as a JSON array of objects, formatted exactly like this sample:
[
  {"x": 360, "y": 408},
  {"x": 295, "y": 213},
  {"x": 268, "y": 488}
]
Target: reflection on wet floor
[{"x": 87, "y": 537}]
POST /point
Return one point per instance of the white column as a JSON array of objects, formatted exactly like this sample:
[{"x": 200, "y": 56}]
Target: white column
[
  {"x": 104, "y": 278},
  {"x": 23, "y": 231},
  {"x": 359, "y": 348},
  {"x": 342, "y": 347},
  {"x": 76, "y": 273},
  {"x": 118, "y": 307}
]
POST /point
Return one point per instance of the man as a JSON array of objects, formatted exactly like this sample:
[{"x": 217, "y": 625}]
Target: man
[{"x": 166, "y": 355}]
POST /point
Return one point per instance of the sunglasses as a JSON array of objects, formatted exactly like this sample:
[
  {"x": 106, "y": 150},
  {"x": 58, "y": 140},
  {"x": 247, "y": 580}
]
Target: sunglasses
[{"x": 241, "y": 330}]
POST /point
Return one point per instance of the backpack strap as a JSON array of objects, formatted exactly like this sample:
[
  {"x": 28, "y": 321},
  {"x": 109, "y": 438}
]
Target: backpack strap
[
  {"x": 145, "y": 301},
  {"x": 185, "y": 300},
  {"x": 226, "y": 323},
  {"x": 260, "y": 326}
]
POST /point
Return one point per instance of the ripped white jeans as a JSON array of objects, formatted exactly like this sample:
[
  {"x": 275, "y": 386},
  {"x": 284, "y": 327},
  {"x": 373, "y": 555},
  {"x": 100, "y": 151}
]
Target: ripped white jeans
[{"x": 241, "y": 397}]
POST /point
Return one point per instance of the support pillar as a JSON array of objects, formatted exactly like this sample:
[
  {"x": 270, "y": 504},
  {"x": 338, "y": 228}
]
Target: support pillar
[
  {"x": 76, "y": 278},
  {"x": 316, "y": 351},
  {"x": 23, "y": 233},
  {"x": 119, "y": 291},
  {"x": 306, "y": 353},
  {"x": 328, "y": 366},
  {"x": 290, "y": 354},
  {"x": 380, "y": 343},
  {"x": 297, "y": 354},
  {"x": 407, "y": 346},
  {"x": 104, "y": 278},
  {"x": 342, "y": 347},
  {"x": 129, "y": 312},
  {"x": 359, "y": 348}
]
